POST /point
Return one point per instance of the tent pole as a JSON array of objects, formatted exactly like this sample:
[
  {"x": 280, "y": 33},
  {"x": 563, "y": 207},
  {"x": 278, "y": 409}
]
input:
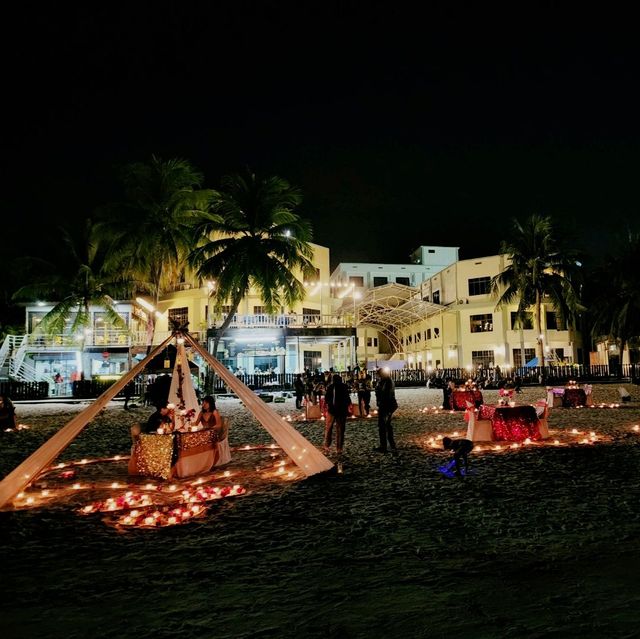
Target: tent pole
[
  {"x": 301, "y": 451},
  {"x": 30, "y": 468}
]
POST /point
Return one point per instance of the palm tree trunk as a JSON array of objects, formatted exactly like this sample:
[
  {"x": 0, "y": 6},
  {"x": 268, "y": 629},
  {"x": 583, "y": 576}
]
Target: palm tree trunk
[
  {"x": 538, "y": 328},
  {"x": 623, "y": 343},
  {"x": 225, "y": 325},
  {"x": 540, "y": 337},
  {"x": 221, "y": 331}
]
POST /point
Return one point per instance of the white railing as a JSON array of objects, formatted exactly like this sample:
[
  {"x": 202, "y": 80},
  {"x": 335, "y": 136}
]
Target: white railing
[
  {"x": 25, "y": 372},
  {"x": 281, "y": 321},
  {"x": 10, "y": 345},
  {"x": 113, "y": 337},
  {"x": 17, "y": 359}
]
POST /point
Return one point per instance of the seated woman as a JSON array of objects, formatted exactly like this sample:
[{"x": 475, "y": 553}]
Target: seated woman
[
  {"x": 7, "y": 413},
  {"x": 209, "y": 417}
]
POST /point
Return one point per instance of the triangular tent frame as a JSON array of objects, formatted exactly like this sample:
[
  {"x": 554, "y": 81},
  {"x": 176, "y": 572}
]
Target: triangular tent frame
[{"x": 302, "y": 452}]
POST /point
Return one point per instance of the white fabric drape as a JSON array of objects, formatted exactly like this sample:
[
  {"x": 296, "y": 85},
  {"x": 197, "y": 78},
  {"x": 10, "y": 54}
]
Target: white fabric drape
[
  {"x": 181, "y": 366},
  {"x": 301, "y": 451},
  {"x": 31, "y": 467}
]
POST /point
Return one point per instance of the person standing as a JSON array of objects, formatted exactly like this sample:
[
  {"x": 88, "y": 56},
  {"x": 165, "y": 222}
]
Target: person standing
[
  {"x": 298, "y": 387},
  {"x": 7, "y": 414},
  {"x": 447, "y": 399},
  {"x": 338, "y": 400},
  {"x": 129, "y": 389},
  {"x": 364, "y": 393},
  {"x": 387, "y": 405}
]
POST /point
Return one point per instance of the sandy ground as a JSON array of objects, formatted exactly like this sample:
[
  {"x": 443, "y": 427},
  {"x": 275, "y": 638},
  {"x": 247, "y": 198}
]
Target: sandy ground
[{"x": 541, "y": 542}]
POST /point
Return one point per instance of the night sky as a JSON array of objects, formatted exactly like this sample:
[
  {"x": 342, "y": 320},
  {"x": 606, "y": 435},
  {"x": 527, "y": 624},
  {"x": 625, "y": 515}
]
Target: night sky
[{"x": 400, "y": 129}]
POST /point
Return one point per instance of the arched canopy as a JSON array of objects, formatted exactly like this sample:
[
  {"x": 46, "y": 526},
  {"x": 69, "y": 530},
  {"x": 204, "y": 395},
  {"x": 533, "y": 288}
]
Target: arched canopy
[{"x": 393, "y": 307}]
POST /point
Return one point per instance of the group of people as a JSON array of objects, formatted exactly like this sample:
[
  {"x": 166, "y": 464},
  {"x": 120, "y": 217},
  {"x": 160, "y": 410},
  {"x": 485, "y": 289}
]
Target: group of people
[
  {"x": 312, "y": 388},
  {"x": 335, "y": 391},
  {"x": 164, "y": 417},
  {"x": 338, "y": 401}
]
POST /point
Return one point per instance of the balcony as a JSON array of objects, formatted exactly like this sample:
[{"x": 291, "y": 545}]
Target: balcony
[
  {"x": 285, "y": 321},
  {"x": 100, "y": 338}
]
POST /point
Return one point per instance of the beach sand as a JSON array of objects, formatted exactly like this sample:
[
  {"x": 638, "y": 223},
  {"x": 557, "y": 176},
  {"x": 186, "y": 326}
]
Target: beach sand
[{"x": 538, "y": 542}]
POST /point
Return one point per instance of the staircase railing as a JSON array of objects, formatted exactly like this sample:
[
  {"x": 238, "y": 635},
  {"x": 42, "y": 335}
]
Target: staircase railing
[
  {"x": 5, "y": 350},
  {"x": 26, "y": 372},
  {"x": 10, "y": 345},
  {"x": 17, "y": 360}
]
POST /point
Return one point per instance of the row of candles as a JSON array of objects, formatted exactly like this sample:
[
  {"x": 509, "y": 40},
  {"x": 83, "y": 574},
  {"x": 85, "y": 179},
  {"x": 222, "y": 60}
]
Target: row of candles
[
  {"x": 440, "y": 409},
  {"x": 574, "y": 436},
  {"x": 147, "y": 505}
]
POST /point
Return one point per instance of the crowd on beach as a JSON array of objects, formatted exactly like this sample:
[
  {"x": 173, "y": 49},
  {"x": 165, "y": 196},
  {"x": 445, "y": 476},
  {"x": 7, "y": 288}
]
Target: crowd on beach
[{"x": 330, "y": 391}]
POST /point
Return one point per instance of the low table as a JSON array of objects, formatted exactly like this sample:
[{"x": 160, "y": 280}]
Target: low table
[
  {"x": 508, "y": 423},
  {"x": 174, "y": 454},
  {"x": 459, "y": 399}
]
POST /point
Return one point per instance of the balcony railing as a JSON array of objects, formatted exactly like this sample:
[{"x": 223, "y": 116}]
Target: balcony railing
[
  {"x": 118, "y": 337},
  {"x": 281, "y": 321},
  {"x": 105, "y": 338}
]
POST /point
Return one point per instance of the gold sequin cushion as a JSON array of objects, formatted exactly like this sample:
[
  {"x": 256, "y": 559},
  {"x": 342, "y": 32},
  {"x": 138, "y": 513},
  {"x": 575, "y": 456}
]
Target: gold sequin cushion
[{"x": 154, "y": 454}]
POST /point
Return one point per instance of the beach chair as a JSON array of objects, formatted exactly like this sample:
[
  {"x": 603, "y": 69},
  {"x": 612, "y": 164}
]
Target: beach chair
[
  {"x": 624, "y": 394},
  {"x": 542, "y": 411},
  {"x": 478, "y": 430},
  {"x": 312, "y": 411},
  {"x": 223, "y": 452},
  {"x": 588, "y": 391},
  {"x": 554, "y": 399}
]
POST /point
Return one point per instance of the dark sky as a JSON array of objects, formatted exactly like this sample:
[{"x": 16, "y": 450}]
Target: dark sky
[{"x": 401, "y": 129}]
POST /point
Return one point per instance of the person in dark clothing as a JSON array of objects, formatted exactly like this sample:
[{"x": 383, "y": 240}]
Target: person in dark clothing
[
  {"x": 161, "y": 390},
  {"x": 299, "y": 387},
  {"x": 364, "y": 393},
  {"x": 7, "y": 414},
  {"x": 129, "y": 389},
  {"x": 163, "y": 417},
  {"x": 447, "y": 392},
  {"x": 338, "y": 401},
  {"x": 461, "y": 448},
  {"x": 387, "y": 405}
]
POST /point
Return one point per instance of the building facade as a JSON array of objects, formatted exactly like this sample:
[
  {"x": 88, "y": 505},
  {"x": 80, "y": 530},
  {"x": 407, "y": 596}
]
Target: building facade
[
  {"x": 352, "y": 282},
  {"x": 401, "y": 315},
  {"x": 98, "y": 351},
  {"x": 463, "y": 328}
]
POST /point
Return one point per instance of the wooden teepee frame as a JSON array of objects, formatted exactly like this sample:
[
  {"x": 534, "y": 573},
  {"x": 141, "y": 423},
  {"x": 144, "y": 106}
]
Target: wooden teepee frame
[
  {"x": 301, "y": 451},
  {"x": 304, "y": 454}
]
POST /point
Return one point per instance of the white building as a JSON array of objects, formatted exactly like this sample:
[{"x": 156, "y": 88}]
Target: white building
[
  {"x": 351, "y": 283},
  {"x": 448, "y": 320}
]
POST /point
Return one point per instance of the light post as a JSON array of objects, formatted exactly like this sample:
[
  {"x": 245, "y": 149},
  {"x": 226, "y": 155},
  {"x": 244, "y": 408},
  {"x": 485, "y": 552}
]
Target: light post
[
  {"x": 356, "y": 295},
  {"x": 211, "y": 287}
]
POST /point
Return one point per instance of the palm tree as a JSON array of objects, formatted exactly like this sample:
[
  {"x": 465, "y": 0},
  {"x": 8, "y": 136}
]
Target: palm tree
[
  {"x": 253, "y": 238},
  {"x": 151, "y": 232},
  {"x": 616, "y": 305},
  {"x": 539, "y": 269},
  {"x": 79, "y": 280}
]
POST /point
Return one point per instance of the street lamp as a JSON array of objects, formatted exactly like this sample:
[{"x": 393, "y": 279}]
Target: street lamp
[
  {"x": 211, "y": 287},
  {"x": 356, "y": 296}
]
